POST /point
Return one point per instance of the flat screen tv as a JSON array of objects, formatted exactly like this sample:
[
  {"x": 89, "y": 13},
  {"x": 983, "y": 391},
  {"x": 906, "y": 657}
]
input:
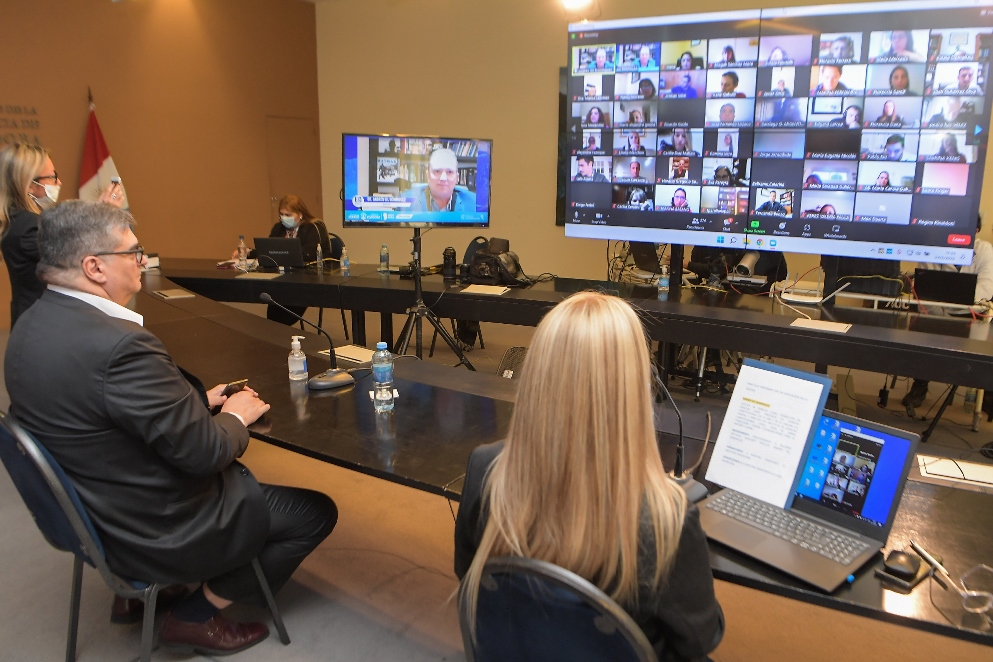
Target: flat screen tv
[
  {"x": 415, "y": 181},
  {"x": 856, "y": 130}
]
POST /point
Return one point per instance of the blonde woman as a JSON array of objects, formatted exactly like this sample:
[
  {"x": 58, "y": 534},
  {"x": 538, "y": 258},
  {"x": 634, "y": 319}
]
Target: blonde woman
[
  {"x": 579, "y": 482},
  {"x": 29, "y": 184}
]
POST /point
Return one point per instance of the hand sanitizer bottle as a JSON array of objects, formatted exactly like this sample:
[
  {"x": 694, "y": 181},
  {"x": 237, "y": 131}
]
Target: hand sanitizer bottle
[{"x": 297, "y": 361}]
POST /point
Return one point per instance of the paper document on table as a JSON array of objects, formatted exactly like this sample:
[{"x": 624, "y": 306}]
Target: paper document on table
[
  {"x": 820, "y": 325},
  {"x": 352, "y": 353},
  {"x": 768, "y": 424},
  {"x": 175, "y": 294},
  {"x": 258, "y": 275},
  {"x": 958, "y": 471},
  {"x": 486, "y": 289}
]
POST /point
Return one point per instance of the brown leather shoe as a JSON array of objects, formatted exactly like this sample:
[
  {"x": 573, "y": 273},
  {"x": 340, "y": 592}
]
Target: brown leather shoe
[
  {"x": 218, "y": 636},
  {"x": 126, "y": 611}
]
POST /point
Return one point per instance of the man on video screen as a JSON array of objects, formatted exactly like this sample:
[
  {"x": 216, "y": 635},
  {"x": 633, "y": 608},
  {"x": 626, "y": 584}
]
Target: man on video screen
[
  {"x": 585, "y": 173},
  {"x": 441, "y": 192}
]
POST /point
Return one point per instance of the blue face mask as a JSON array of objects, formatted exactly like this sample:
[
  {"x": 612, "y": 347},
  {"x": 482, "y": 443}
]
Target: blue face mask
[{"x": 289, "y": 222}]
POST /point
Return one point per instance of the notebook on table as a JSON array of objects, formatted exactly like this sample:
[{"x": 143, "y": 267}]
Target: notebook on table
[
  {"x": 810, "y": 492},
  {"x": 278, "y": 252}
]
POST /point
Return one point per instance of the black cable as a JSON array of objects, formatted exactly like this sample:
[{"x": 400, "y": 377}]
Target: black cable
[
  {"x": 940, "y": 399},
  {"x": 445, "y": 487}
]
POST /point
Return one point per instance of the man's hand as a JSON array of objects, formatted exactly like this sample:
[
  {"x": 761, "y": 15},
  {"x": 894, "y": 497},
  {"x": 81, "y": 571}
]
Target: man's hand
[
  {"x": 215, "y": 397},
  {"x": 247, "y": 404}
]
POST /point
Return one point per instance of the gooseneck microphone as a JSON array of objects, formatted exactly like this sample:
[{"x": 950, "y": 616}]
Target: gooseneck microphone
[
  {"x": 332, "y": 378},
  {"x": 694, "y": 490}
]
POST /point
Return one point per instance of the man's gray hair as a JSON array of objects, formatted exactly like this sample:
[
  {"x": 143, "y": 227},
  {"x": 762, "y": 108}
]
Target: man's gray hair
[{"x": 72, "y": 230}]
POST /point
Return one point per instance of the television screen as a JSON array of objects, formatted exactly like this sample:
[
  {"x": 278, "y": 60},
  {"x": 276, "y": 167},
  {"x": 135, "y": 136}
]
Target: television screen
[
  {"x": 415, "y": 181},
  {"x": 857, "y": 130}
]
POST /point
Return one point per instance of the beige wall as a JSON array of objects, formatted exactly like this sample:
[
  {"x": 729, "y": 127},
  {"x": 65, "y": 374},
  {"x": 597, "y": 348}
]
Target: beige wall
[
  {"x": 182, "y": 89},
  {"x": 485, "y": 68}
]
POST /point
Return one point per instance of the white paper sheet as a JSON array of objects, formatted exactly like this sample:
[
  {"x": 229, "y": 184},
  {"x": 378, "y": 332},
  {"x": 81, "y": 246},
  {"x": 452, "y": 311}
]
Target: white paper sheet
[
  {"x": 958, "y": 471},
  {"x": 764, "y": 433},
  {"x": 486, "y": 289}
]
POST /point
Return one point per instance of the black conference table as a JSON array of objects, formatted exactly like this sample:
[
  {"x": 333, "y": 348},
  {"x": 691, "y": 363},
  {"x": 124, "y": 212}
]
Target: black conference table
[
  {"x": 888, "y": 342},
  {"x": 443, "y": 413}
]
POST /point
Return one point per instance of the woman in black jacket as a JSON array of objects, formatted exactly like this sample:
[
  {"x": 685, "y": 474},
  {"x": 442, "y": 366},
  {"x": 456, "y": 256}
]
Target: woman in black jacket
[
  {"x": 29, "y": 184},
  {"x": 295, "y": 220}
]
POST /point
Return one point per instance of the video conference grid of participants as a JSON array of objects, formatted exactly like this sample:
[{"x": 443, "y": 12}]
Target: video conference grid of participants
[{"x": 824, "y": 125}]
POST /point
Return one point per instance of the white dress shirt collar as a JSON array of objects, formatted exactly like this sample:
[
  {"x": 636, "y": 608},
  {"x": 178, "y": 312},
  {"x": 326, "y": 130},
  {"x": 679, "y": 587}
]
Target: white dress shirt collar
[{"x": 105, "y": 305}]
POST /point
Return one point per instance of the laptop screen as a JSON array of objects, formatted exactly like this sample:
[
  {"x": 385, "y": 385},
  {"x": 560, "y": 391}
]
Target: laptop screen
[
  {"x": 854, "y": 473},
  {"x": 945, "y": 286}
]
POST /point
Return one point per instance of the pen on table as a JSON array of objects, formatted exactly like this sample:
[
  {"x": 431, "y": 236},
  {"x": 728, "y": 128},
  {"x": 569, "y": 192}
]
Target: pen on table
[{"x": 924, "y": 554}]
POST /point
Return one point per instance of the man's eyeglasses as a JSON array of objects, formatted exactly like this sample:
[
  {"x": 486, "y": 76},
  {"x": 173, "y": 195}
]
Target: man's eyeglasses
[
  {"x": 138, "y": 253},
  {"x": 54, "y": 177}
]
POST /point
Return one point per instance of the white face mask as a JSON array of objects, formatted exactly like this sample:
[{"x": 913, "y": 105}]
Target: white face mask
[
  {"x": 288, "y": 222},
  {"x": 51, "y": 196}
]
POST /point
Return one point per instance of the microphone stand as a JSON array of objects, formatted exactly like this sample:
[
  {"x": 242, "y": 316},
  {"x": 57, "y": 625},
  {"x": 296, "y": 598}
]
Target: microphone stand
[
  {"x": 694, "y": 490},
  {"x": 334, "y": 370}
]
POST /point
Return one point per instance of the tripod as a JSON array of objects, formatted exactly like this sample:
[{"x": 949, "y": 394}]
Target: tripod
[{"x": 419, "y": 311}]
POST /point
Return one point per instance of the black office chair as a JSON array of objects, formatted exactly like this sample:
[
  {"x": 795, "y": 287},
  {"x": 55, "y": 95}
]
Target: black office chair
[
  {"x": 63, "y": 520},
  {"x": 337, "y": 246},
  {"x": 529, "y": 610},
  {"x": 511, "y": 362}
]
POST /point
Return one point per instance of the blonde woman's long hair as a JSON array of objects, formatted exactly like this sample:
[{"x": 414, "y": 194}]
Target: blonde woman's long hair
[
  {"x": 581, "y": 469},
  {"x": 20, "y": 163}
]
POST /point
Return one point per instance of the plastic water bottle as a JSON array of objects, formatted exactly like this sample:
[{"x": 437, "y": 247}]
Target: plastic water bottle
[
  {"x": 970, "y": 400},
  {"x": 297, "y": 361},
  {"x": 242, "y": 253},
  {"x": 382, "y": 377},
  {"x": 664, "y": 283},
  {"x": 346, "y": 264},
  {"x": 384, "y": 260},
  {"x": 320, "y": 258}
]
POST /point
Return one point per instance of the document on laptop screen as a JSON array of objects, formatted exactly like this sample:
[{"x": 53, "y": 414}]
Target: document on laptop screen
[{"x": 766, "y": 429}]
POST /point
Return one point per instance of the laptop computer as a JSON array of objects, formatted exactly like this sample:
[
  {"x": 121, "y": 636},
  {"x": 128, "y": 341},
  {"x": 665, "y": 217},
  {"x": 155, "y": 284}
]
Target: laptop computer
[
  {"x": 847, "y": 485},
  {"x": 645, "y": 256},
  {"x": 279, "y": 252},
  {"x": 945, "y": 286}
]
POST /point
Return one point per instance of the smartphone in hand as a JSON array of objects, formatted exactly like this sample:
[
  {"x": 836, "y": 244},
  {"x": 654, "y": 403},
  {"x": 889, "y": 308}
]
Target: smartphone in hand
[{"x": 234, "y": 387}]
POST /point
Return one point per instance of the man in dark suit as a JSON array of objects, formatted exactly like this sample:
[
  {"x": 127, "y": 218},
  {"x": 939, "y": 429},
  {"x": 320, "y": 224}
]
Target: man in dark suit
[{"x": 158, "y": 474}]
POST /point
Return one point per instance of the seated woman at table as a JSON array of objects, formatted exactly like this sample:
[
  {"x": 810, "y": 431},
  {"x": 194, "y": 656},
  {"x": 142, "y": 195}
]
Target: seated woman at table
[
  {"x": 295, "y": 220},
  {"x": 579, "y": 483}
]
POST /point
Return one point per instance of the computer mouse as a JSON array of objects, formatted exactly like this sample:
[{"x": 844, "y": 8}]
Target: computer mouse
[
  {"x": 330, "y": 379},
  {"x": 901, "y": 564}
]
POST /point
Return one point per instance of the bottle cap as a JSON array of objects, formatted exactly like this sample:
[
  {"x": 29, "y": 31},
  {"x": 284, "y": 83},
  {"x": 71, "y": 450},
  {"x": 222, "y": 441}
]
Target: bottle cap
[
  {"x": 380, "y": 345},
  {"x": 296, "y": 342}
]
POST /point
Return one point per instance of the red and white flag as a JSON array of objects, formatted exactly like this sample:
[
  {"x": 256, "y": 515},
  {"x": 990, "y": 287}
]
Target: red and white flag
[{"x": 97, "y": 168}]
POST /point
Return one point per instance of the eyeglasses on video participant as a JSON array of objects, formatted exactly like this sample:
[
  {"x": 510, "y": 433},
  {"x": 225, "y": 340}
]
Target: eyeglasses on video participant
[{"x": 442, "y": 192}]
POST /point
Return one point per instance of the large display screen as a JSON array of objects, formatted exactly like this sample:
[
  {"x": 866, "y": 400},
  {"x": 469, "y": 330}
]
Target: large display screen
[
  {"x": 856, "y": 130},
  {"x": 415, "y": 181}
]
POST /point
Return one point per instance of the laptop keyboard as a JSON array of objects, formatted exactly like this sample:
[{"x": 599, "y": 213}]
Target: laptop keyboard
[{"x": 797, "y": 530}]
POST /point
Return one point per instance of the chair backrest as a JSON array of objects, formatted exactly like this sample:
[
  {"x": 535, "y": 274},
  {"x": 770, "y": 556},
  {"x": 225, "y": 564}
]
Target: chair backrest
[
  {"x": 510, "y": 364},
  {"x": 337, "y": 244},
  {"x": 48, "y": 494},
  {"x": 534, "y": 610}
]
